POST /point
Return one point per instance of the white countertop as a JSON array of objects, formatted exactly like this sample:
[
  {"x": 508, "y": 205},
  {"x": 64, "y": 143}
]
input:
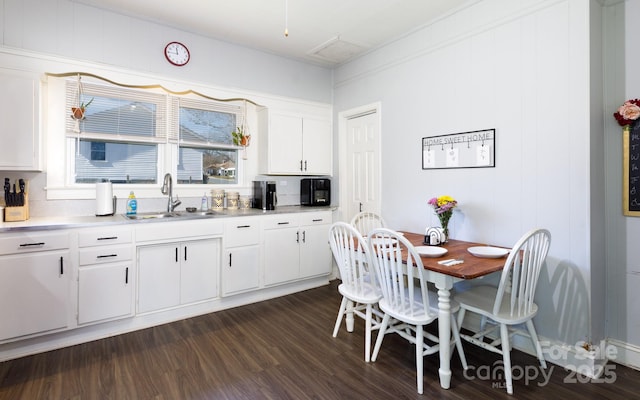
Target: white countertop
[{"x": 60, "y": 222}]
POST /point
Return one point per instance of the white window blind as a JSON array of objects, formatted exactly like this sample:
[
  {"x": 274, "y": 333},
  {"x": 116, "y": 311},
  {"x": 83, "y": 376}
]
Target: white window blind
[{"x": 116, "y": 114}]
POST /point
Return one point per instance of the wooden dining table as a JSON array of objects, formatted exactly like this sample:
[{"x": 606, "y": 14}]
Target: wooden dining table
[{"x": 444, "y": 277}]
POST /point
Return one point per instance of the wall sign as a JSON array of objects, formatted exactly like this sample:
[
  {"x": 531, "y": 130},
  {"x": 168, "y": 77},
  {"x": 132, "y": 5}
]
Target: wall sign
[
  {"x": 475, "y": 149},
  {"x": 631, "y": 170}
]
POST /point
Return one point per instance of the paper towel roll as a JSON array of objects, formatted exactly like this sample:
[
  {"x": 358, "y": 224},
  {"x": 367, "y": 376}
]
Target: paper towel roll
[{"x": 104, "y": 198}]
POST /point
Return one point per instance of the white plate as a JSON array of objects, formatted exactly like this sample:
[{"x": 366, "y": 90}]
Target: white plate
[
  {"x": 488, "y": 251},
  {"x": 431, "y": 251}
]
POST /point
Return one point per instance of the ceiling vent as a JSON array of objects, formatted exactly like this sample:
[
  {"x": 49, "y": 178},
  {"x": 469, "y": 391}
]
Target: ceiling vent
[{"x": 337, "y": 50}]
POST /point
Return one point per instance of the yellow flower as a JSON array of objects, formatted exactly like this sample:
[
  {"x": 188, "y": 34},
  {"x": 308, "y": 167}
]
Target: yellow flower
[{"x": 442, "y": 200}]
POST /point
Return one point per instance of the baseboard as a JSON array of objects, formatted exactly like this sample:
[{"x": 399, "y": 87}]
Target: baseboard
[
  {"x": 626, "y": 354},
  {"x": 582, "y": 365}
]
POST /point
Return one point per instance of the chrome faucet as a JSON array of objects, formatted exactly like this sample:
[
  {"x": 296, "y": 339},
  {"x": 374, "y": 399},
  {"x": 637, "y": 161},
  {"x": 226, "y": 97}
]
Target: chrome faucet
[{"x": 167, "y": 188}]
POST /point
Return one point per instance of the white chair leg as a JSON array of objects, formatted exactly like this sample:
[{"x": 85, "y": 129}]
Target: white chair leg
[
  {"x": 419, "y": 358},
  {"x": 536, "y": 343},
  {"x": 506, "y": 356},
  {"x": 458, "y": 343},
  {"x": 349, "y": 312},
  {"x": 367, "y": 334},
  {"x": 483, "y": 324},
  {"x": 343, "y": 306},
  {"x": 383, "y": 328},
  {"x": 460, "y": 318}
]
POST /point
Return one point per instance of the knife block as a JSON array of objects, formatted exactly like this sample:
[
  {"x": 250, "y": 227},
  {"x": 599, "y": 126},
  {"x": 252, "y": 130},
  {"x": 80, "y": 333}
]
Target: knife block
[{"x": 12, "y": 214}]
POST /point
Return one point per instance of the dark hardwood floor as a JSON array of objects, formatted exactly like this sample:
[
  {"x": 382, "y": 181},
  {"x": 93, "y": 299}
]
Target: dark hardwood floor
[{"x": 277, "y": 349}]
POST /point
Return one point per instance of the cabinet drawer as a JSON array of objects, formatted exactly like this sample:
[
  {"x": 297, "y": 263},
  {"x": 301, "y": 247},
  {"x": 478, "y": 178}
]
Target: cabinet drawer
[
  {"x": 100, "y": 237},
  {"x": 315, "y": 218},
  {"x": 241, "y": 232},
  {"x": 283, "y": 221},
  {"x": 99, "y": 255},
  {"x": 26, "y": 242}
]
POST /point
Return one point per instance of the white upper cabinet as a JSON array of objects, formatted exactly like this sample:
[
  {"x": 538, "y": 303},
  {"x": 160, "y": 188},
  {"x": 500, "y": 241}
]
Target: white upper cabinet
[
  {"x": 19, "y": 100},
  {"x": 295, "y": 144}
]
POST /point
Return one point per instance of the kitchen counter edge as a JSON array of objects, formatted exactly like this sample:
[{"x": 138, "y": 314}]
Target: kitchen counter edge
[{"x": 85, "y": 221}]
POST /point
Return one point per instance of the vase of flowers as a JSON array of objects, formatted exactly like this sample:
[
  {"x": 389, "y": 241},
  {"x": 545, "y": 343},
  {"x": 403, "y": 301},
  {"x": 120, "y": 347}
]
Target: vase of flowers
[{"x": 443, "y": 207}]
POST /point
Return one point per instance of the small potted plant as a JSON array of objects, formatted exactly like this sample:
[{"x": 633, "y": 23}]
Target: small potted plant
[
  {"x": 239, "y": 138},
  {"x": 78, "y": 112}
]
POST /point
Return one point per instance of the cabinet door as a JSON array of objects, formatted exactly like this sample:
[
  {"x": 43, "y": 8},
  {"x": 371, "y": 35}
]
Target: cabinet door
[
  {"x": 315, "y": 253},
  {"x": 316, "y": 147},
  {"x": 158, "y": 277},
  {"x": 20, "y": 149},
  {"x": 34, "y": 293},
  {"x": 240, "y": 269},
  {"x": 105, "y": 292},
  {"x": 281, "y": 255},
  {"x": 285, "y": 145},
  {"x": 199, "y": 272}
]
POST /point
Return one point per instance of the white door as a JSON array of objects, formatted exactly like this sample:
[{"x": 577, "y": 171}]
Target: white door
[{"x": 362, "y": 164}]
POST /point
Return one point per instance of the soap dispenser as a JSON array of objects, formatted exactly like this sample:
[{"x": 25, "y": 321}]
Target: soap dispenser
[
  {"x": 204, "y": 204},
  {"x": 132, "y": 204}
]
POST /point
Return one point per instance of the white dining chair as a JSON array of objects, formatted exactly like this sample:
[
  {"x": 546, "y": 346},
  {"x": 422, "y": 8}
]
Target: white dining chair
[
  {"x": 408, "y": 307},
  {"x": 511, "y": 303},
  {"x": 359, "y": 291},
  {"x": 366, "y": 221}
]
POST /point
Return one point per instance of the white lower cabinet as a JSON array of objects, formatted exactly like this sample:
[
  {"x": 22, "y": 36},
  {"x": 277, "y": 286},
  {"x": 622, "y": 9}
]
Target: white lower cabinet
[
  {"x": 179, "y": 273},
  {"x": 315, "y": 252},
  {"x": 105, "y": 292},
  {"x": 241, "y": 259},
  {"x": 36, "y": 278},
  {"x": 106, "y": 276},
  {"x": 296, "y": 247}
]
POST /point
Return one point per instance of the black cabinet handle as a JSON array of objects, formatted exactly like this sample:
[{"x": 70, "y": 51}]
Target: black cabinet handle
[
  {"x": 108, "y": 238},
  {"x": 317, "y": 220},
  {"x": 126, "y": 276},
  {"x": 243, "y": 226},
  {"x": 61, "y": 265},
  {"x": 229, "y": 259},
  {"x": 305, "y": 165},
  {"x": 301, "y": 166},
  {"x": 176, "y": 254},
  {"x": 283, "y": 223},
  {"x": 32, "y": 244},
  {"x": 304, "y": 236},
  {"x": 185, "y": 253},
  {"x": 108, "y": 255},
  {"x": 298, "y": 237}
]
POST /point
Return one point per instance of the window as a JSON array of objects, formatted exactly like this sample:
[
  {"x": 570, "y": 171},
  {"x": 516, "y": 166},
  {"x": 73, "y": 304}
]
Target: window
[
  {"x": 98, "y": 151},
  {"x": 125, "y": 133},
  {"x": 206, "y": 151}
]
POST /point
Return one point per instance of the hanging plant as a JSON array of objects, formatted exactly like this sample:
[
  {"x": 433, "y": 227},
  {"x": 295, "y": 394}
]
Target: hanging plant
[
  {"x": 78, "y": 112},
  {"x": 239, "y": 138}
]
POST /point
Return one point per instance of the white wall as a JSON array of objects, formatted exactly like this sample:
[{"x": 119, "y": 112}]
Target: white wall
[
  {"x": 523, "y": 69},
  {"x": 622, "y": 82},
  {"x": 81, "y": 32}
]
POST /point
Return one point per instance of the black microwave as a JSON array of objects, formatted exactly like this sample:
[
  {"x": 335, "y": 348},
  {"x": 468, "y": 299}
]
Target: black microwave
[{"x": 315, "y": 192}]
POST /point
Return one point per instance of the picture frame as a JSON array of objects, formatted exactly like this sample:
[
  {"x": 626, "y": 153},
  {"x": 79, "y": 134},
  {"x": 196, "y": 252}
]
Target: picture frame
[{"x": 472, "y": 149}]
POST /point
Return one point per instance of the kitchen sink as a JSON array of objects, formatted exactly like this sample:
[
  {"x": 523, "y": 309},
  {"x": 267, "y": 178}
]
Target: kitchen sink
[
  {"x": 173, "y": 214},
  {"x": 153, "y": 215}
]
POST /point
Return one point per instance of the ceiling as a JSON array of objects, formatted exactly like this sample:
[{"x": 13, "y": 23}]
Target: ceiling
[{"x": 323, "y": 32}]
